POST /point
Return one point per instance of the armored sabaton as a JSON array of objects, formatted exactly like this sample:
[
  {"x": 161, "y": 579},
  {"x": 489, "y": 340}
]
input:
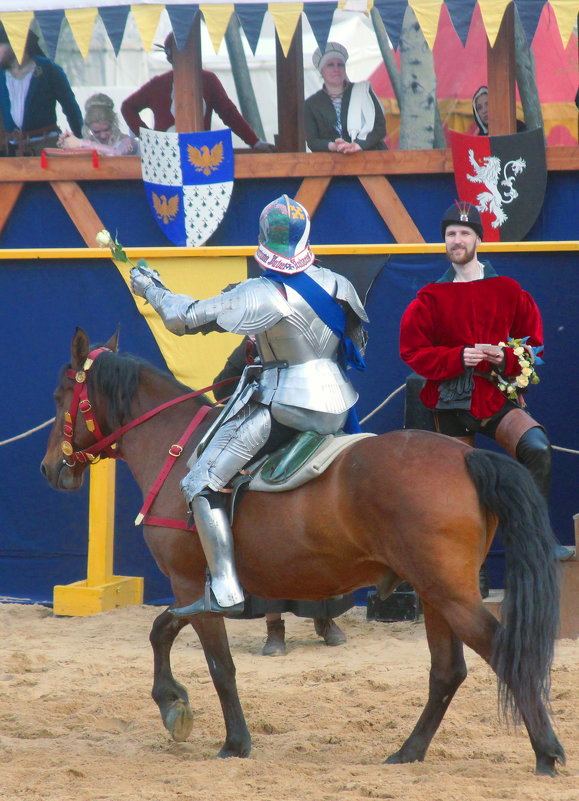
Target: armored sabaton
[{"x": 298, "y": 381}]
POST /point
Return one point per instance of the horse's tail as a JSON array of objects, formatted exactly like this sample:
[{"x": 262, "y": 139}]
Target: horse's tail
[{"x": 524, "y": 644}]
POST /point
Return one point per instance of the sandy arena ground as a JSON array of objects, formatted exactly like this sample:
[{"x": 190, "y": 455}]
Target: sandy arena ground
[{"x": 77, "y": 722}]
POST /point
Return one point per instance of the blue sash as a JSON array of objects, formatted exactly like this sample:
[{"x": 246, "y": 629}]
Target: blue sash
[{"x": 333, "y": 315}]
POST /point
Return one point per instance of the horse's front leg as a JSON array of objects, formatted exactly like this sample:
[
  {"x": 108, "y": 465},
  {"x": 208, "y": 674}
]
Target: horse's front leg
[
  {"x": 170, "y": 696},
  {"x": 213, "y": 638}
]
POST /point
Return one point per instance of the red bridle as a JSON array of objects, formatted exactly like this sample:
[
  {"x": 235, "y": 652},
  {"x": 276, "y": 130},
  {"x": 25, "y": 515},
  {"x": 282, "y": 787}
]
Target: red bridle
[{"x": 104, "y": 447}]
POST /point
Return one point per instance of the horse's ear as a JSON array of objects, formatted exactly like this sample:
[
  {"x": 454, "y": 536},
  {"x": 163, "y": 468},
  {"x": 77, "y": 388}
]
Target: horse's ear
[
  {"x": 80, "y": 348},
  {"x": 113, "y": 343}
]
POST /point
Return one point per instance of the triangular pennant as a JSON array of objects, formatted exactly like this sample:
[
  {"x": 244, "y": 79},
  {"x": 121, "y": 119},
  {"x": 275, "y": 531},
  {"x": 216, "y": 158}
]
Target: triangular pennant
[
  {"x": 320, "y": 17},
  {"x": 460, "y": 13},
  {"x": 529, "y": 13},
  {"x": 182, "y": 18},
  {"x": 82, "y": 22},
  {"x": 427, "y": 13},
  {"x": 566, "y": 14},
  {"x": 217, "y": 19},
  {"x": 250, "y": 16},
  {"x": 492, "y": 12},
  {"x": 16, "y": 25},
  {"x": 286, "y": 17},
  {"x": 147, "y": 21},
  {"x": 50, "y": 23},
  {"x": 392, "y": 14},
  {"x": 115, "y": 20}
]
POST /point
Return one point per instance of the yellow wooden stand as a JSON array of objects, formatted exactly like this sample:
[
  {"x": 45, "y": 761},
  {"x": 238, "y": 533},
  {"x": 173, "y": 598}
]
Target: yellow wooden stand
[{"x": 101, "y": 590}]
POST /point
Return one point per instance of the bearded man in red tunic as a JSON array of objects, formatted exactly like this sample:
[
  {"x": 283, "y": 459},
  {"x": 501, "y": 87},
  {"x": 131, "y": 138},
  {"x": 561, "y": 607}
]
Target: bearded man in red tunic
[{"x": 475, "y": 337}]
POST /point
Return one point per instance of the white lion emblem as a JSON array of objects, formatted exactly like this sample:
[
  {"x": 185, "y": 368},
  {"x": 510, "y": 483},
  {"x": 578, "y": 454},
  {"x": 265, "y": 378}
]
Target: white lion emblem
[{"x": 488, "y": 173}]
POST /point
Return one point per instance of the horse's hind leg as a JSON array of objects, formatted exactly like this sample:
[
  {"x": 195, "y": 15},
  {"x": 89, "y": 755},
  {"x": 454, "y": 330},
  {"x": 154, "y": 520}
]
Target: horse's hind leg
[
  {"x": 479, "y": 631},
  {"x": 213, "y": 638},
  {"x": 170, "y": 696},
  {"x": 447, "y": 672}
]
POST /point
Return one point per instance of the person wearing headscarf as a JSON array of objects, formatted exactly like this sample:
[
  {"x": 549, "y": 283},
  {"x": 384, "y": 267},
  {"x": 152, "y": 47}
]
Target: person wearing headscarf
[
  {"x": 343, "y": 117},
  {"x": 100, "y": 130},
  {"x": 480, "y": 110},
  {"x": 29, "y": 92}
]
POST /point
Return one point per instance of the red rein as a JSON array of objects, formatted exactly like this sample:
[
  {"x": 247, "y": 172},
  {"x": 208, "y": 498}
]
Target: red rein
[{"x": 107, "y": 446}]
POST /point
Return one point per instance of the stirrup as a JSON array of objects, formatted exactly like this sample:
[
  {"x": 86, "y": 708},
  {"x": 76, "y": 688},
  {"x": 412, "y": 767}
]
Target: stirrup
[
  {"x": 208, "y": 603},
  {"x": 202, "y": 605}
]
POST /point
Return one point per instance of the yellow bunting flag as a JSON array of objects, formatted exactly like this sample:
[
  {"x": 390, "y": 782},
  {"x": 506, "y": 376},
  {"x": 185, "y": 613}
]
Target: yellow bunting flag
[
  {"x": 82, "y": 22},
  {"x": 286, "y": 17},
  {"x": 216, "y": 19},
  {"x": 193, "y": 360},
  {"x": 492, "y": 13},
  {"x": 147, "y": 21},
  {"x": 16, "y": 25},
  {"x": 427, "y": 13},
  {"x": 566, "y": 14}
]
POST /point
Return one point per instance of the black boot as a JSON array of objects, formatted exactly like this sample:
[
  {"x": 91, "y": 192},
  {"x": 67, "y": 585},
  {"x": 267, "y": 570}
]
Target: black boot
[
  {"x": 534, "y": 451},
  {"x": 325, "y": 627},
  {"x": 275, "y": 643}
]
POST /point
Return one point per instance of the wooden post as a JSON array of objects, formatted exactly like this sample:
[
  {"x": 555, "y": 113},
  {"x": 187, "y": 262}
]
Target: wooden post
[
  {"x": 290, "y": 95},
  {"x": 101, "y": 591},
  {"x": 502, "y": 72},
  {"x": 187, "y": 82}
]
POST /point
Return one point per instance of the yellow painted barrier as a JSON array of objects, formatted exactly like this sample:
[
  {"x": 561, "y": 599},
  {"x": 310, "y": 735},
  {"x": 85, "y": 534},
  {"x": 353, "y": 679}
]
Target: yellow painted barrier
[{"x": 101, "y": 591}]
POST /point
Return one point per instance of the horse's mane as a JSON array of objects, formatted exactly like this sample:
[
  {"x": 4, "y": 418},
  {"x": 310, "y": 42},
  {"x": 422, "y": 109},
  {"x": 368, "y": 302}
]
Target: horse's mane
[{"x": 117, "y": 377}]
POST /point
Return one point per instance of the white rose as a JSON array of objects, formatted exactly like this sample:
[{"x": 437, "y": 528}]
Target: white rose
[
  {"x": 524, "y": 363},
  {"x": 522, "y": 381},
  {"x": 104, "y": 239},
  {"x": 518, "y": 351},
  {"x": 526, "y": 371}
]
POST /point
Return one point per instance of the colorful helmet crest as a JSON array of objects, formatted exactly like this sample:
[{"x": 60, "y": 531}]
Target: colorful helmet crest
[
  {"x": 462, "y": 213},
  {"x": 284, "y": 231}
]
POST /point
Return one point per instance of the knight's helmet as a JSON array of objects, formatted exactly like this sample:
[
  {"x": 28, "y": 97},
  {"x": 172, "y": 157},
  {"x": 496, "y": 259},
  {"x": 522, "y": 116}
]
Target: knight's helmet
[
  {"x": 462, "y": 213},
  {"x": 284, "y": 232}
]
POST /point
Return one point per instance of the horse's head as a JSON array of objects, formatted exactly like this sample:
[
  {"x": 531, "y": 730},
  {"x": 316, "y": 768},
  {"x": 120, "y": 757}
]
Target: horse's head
[{"x": 69, "y": 436}]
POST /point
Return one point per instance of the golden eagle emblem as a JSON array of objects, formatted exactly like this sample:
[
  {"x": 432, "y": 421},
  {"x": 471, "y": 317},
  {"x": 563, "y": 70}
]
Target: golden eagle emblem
[
  {"x": 165, "y": 209},
  {"x": 205, "y": 160}
]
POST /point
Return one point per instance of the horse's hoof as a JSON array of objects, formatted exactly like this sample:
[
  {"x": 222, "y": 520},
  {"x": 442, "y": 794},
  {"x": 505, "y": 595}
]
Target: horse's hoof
[
  {"x": 227, "y": 752},
  {"x": 178, "y": 720},
  {"x": 546, "y": 767}
]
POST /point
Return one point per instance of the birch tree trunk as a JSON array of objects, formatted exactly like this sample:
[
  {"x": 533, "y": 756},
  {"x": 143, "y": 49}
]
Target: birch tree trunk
[
  {"x": 526, "y": 78},
  {"x": 418, "y": 124}
]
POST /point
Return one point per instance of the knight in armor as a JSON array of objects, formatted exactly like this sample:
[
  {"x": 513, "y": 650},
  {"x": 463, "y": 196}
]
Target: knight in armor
[
  {"x": 307, "y": 324},
  {"x": 454, "y": 334}
]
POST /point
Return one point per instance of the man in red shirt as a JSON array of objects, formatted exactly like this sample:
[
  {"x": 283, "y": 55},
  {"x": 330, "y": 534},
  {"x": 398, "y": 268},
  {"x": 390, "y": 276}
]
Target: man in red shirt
[
  {"x": 453, "y": 334},
  {"x": 157, "y": 95}
]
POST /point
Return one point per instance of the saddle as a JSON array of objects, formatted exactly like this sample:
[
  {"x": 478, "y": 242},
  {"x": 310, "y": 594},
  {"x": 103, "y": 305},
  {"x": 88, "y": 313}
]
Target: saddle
[{"x": 304, "y": 458}]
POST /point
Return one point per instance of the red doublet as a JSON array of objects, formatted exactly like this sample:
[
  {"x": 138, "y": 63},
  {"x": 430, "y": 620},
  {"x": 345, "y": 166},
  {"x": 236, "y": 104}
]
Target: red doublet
[{"x": 446, "y": 317}]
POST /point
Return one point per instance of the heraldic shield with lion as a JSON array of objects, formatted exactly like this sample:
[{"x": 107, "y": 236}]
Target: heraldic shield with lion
[
  {"x": 188, "y": 179},
  {"x": 504, "y": 177}
]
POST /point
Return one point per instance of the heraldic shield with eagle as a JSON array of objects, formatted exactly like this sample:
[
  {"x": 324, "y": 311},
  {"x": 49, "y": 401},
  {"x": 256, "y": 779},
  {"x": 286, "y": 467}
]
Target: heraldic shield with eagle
[{"x": 188, "y": 179}]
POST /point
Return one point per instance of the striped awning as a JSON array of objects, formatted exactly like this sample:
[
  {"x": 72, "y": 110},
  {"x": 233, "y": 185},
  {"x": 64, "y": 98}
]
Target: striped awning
[{"x": 81, "y": 15}]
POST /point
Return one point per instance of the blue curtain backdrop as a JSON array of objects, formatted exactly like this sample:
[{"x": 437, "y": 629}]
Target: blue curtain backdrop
[{"x": 43, "y": 533}]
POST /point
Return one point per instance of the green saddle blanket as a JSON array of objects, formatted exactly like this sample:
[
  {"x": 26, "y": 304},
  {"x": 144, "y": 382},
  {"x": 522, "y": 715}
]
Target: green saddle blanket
[{"x": 285, "y": 462}]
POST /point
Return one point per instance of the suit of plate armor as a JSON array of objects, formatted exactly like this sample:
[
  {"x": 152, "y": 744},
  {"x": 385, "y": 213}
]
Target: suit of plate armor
[{"x": 297, "y": 381}]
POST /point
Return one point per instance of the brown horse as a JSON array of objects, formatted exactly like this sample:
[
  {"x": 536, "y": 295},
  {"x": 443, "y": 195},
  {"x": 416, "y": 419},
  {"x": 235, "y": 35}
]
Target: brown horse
[{"x": 408, "y": 505}]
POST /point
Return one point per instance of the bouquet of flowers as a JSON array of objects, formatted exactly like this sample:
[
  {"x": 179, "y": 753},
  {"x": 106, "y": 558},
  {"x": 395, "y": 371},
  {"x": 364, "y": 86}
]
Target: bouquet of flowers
[{"x": 527, "y": 360}]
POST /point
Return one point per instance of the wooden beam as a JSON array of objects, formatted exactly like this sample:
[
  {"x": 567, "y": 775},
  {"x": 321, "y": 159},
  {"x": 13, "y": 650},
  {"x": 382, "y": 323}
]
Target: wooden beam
[
  {"x": 9, "y": 194},
  {"x": 290, "y": 95},
  {"x": 266, "y": 165},
  {"x": 311, "y": 192},
  {"x": 79, "y": 210},
  {"x": 391, "y": 208},
  {"x": 502, "y": 75},
  {"x": 188, "y": 87}
]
